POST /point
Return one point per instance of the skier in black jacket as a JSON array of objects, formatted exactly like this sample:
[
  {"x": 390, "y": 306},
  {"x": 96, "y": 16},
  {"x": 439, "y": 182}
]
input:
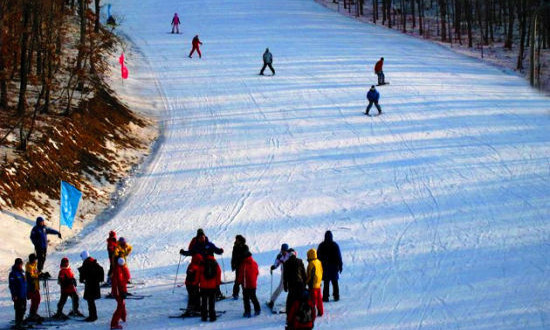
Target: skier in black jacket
[
  {"x": 294, "y": 278},
  {"x": 331, "y": 259},
  {"x": 237, "y": 257},
  {"x": 91, "y": 274}
]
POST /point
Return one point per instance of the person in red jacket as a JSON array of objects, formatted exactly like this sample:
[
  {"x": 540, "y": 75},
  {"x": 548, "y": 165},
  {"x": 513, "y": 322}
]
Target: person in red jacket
[
  {"x": 210, "y": 277},
  {"x": 196, "y": 43},
  {"x": 176, "y": 23},
  {"x": 111, "y": 247},
  {"x": 120, "y": 277},
  {"x": 192, "y": 285},
  {"x": 67, "y": 282},
  {"x": 379, "y": 71},
  {"x": 248, "y": 278},
  {"x": 301, "y": 314}
]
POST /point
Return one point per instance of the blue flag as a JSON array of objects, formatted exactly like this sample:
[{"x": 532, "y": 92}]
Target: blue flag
[
  {"x": 70, "y": 196},
  {"x": 108, "y": 10}
]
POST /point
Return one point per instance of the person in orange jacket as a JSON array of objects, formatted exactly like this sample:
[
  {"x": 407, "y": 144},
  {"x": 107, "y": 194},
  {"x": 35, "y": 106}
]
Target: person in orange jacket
[
  {"x": 314, "y": 277},
  {"x": 196, "y": 46},
  {"x": 67, "y": 282},
  {"x": 248, "y": 278},
  {"x": 210, "y": 278},
  {"x": 192, "y": 285},
  {"x": 120, "y": 278}
]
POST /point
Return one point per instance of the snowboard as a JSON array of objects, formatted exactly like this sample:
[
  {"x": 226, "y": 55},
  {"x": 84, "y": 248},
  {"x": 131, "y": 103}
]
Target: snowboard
[{"x": 386, "y": 83}]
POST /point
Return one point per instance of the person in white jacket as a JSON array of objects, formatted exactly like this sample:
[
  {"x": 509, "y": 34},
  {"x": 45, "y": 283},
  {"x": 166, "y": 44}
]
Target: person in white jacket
[{"x": 281, "y": 258}]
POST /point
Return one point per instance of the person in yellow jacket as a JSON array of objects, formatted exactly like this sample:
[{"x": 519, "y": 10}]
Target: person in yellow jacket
[
  {"x": 33, "y": 287},
  {"x": 123, "y": 249},
  {"x": 314, "y": 278}
]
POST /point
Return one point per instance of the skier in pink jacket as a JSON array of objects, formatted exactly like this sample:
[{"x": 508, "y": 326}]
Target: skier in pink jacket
[{"x": 176, "y": 23}]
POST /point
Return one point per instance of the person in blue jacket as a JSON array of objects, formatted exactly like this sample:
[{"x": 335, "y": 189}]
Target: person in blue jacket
[
  {"x": 18, "y": 289},
  {"x": 40, "y": 241},
  {"x": 373, "y": 96}
]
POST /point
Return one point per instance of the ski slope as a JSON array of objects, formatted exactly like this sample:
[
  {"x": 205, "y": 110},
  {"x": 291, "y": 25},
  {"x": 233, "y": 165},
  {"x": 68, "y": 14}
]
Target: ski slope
[{"x": 441, "y": 206}]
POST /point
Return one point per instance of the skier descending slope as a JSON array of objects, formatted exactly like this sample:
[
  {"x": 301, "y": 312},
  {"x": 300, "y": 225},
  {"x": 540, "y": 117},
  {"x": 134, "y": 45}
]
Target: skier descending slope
[
  {"x": 268, "y": 60},
  {"x": 176, "y": 23},
  {"x": 378, "y": 70},
  {"x": 196, "y": 46},
  {"x": 373, "y": 96}
]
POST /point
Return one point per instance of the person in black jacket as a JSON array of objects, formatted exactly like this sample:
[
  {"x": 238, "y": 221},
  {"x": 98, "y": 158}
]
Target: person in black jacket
[
  {"x": 268, "y": 60},
  {"x": 91, "y": 274},
  {"x": 294, "y": 279},
  {"x": 331, "y": 259},
  {"x": 237, "y": 257}
]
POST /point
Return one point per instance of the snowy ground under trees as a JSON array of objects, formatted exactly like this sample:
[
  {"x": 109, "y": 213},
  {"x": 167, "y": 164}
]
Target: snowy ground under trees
[{"x": 440, "y": 205}]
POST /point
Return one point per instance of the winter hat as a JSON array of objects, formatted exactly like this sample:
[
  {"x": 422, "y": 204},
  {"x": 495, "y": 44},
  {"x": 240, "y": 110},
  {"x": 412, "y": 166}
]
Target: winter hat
[
  {"x": 382, "y": 58},
  {"x": 372, "y": 87},
  {"x": 121, "y": 261},
  {"x": 122, "y": 240},
  {"x": 18, "y": 261},
  {"x": 200, "y": 232},
  {"x": 328, "y": 236},
  {"x": 32, "y": 257},
  {"x": 240, "y": 238},
  {"x": 284, "y": 247},
  {"x": 39, "y": 220},
  {"x": 112, "y": 233},
  {"x": 84, "y": 255},
  {"x": 64, "y": 262}
]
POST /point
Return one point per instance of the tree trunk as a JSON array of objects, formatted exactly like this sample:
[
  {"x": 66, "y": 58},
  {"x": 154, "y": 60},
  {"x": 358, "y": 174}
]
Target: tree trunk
[
  {"x": 443, "y": 13},
  {"x": 510, "y": 34}
]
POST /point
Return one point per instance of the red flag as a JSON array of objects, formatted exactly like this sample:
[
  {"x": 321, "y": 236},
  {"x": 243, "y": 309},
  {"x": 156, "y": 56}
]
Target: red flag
[
  {"x": 124, "y": 72},
  {"x": 121, "y": 59}
]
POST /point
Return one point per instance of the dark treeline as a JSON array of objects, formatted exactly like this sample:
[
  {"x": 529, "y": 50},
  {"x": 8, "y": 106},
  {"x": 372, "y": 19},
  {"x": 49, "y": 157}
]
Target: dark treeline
[
  {"x": 522, "y": 24},
  {"x": 50, "y": 54}
]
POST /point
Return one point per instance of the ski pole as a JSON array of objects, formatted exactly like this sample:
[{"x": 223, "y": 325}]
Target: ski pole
[
  {"x": 223, "y": 271},
  {"x": 271, "y": 290},
  {"x": 176, "y": 279}
]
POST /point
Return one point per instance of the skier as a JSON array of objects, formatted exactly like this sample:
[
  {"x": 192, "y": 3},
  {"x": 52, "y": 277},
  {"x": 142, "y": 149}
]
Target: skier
[
  {"x": 200, "y": 244},
  {"x": 192, "y": 285},
  {"x": 314, "y": 278},
  {"x": 196, "y": 43},
  {"x": 176, "y": 23},
  {"x": 237, "y": 256},
  {"x": 281, "y": 258},
  {"x": 373, "y": 96},
  {"x": 329, "y": 254},
  {"x": 120, "y": 277},
  {"x": 210, "y": 278},
  {"x": 379, "y": 71},
  {"x": 33, "y": 288},
  {"x": 248, "y": 277},
  {"x": 40, "y": 241},
  {"x": 111, "y": 248},
  {"x": 18, "y": 289},
  {"x": 294, "y": 279},
  {"x": 268, "y": 60},
  {"x": 123, "y": 249},
  {"x": 302, "y": 313},
  {"x": 67, "y": 283},
  {"x": 91, "y": 274}
]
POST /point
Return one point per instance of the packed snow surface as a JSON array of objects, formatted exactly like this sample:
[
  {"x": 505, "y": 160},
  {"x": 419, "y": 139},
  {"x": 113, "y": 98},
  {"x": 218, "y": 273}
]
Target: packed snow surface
[{"x": 441, "y": 206}]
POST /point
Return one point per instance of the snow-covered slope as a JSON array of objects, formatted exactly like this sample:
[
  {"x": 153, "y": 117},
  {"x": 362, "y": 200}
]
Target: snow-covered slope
[{"x": 440, "y": 205}]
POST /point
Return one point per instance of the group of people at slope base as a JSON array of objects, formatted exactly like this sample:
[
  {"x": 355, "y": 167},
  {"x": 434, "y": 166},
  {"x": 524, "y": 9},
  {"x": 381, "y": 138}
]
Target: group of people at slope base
[
  {"x": 304, "y": 300},
  {"x": 24, "y": 283},
  {"x": 203, "y": 280}
]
